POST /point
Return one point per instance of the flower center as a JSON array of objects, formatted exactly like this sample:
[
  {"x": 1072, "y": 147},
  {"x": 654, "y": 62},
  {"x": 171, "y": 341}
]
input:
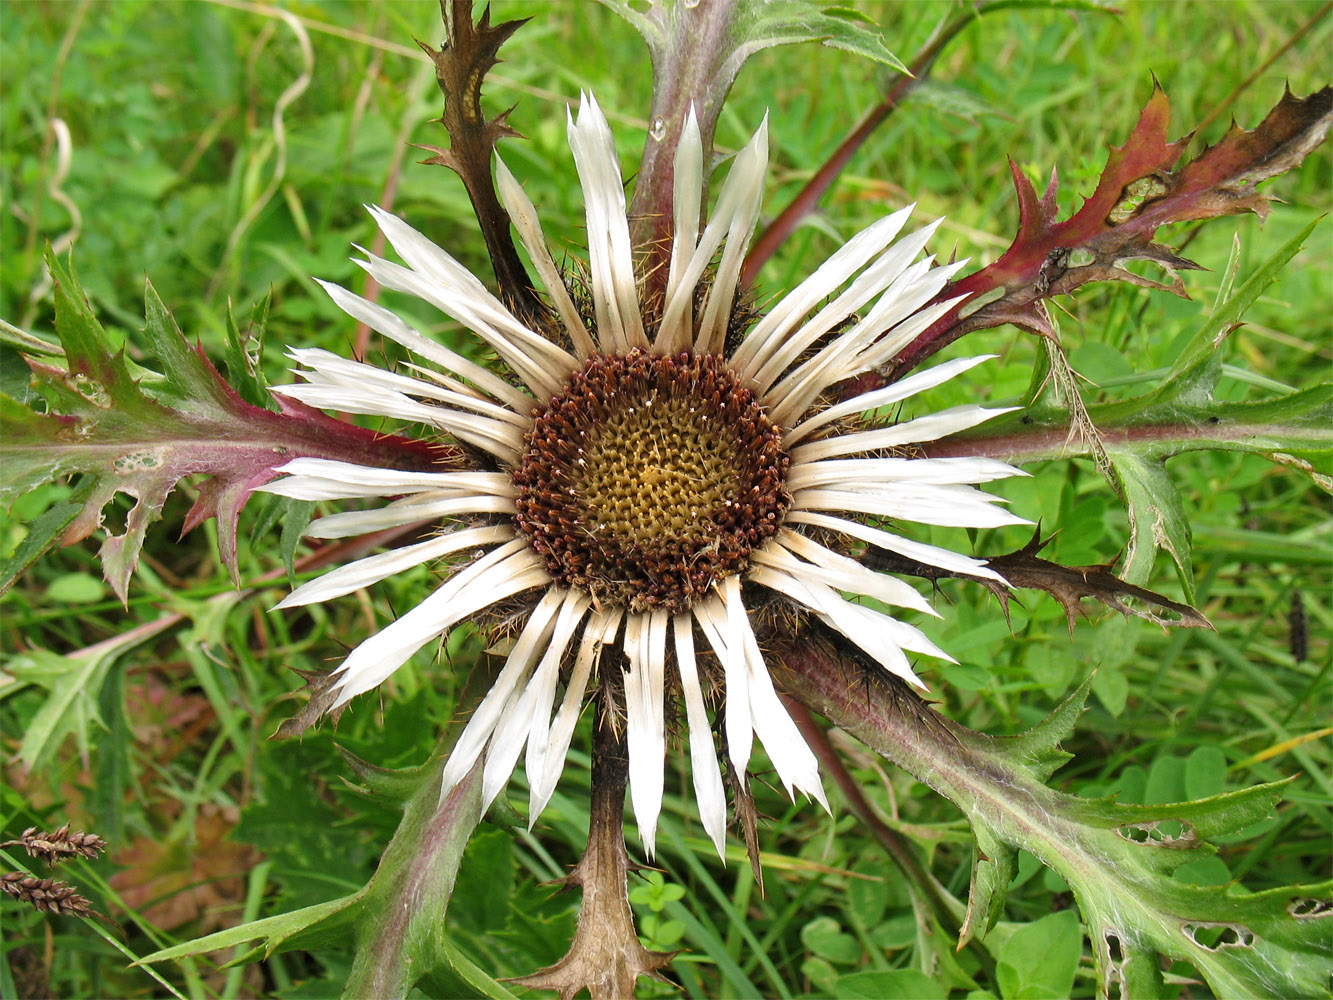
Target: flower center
[{"x": 648, "y": 479}]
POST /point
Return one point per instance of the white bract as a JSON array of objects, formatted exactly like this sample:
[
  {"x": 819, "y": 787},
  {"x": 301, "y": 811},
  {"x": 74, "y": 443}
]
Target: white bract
[{"x": 844, "y": 475}]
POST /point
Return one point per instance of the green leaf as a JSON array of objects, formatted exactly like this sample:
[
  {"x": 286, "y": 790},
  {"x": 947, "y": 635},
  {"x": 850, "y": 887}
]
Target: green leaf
[
  {"x": 825, "y": 937},
  {"x": 141, "y": 434},
  {"x": 1111, "y": 687},
  {"x": 893, "y": 984},
  {"x": 43, "y": 533},
  {"x": 1157, "y": 519},
  {"x": 397, "y": 919},
  {"x": 1205, "y": 772},
  {"x": 75, "y": 588},
  {"x": 793, "y": 22},
  {"x": 1039, "y": 961},
  {"x": 73, "y": 683},
  {"x": 1194, "y": 373}
]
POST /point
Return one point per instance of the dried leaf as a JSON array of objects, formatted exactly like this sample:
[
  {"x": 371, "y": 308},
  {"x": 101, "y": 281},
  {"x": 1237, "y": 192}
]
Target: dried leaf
[
  {"x": 200, "y": 876},
  {"x": 1140, "y": 190},
  {"x": 605, "y": 958},
  {"x": 461, "y": 64},
  {"x": 1070, "y": 584}
]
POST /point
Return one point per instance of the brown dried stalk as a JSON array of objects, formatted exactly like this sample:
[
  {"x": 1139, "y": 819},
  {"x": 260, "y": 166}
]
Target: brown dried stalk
[
  {"x": 46, "y": 894},
  {"x": 605, "y": 957},
  {"x": 58, "y": 845}
]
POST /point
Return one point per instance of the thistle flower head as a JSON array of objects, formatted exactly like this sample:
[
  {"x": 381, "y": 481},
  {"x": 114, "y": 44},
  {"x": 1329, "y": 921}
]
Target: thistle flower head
[{"x": 662, "y": 466}]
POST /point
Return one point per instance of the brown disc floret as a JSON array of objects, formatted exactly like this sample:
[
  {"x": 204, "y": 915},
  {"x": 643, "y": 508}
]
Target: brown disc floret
[{"x": 649, "y": 478}]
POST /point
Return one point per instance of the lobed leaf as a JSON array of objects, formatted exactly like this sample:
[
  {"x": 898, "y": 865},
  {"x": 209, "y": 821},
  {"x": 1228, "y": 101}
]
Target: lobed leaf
[
  {"x": 1141, "y": 189},
  {"x": 140, "y": 435},
  {"x": 470, "y": 52},
  {"x": 398, "y": 918},
  {"x": 1118, "y": 859},
  {"x": 73, "y": 683}
]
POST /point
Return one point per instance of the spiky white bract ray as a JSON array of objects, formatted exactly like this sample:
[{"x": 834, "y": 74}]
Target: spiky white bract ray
[
  {"x": 896, "y": 393},
  {"x": 645, "y": 721},
  {"x": 675, "y": 332},
  {"x": 830, "y": 607},
  {"x": 934, "y": 471},
  {"x": 423, "y": 507},
  {"x": 384, "y": 322},
  {"x": 709, "y": 795},
  {"x": 489, "y": 714},
  {"x": 322, "y": 367},
  {"x": 847, "y": 354},
  {"x": 931, "y": 555},
  {"x": 372, "y": 569},
  {"x": 838, "y": 571},
  {"x": 711, "y": 614},
  {"x": 545, "y": 762},
  {"x": 524, "y": 216},
  {"x": 545, "y": 680},
  {"x": 526, "y": 715},
  {"x": 928, "y": 428},
  {"x": 503, "y": 572},
  {"x": 777, "y": 325},
  {"x": 326, "y": 479},
  {"x": 614, "y": 287},
  {"x": 951, "y": 506},
  {"x": 782, "y": 344},
  {"x": 744, "y": 187},
  {"x": 752, "y": 706},
  {"x": 542, "y": 381}
]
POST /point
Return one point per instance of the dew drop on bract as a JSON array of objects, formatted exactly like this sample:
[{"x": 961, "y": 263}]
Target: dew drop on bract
[{"x": 658, "y": 129}]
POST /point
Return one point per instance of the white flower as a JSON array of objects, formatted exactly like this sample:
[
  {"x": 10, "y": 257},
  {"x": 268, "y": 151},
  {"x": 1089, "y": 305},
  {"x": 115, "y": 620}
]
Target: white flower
[{"x": 648, "y": 472}]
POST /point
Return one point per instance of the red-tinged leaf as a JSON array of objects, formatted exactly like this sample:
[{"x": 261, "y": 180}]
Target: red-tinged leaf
[
  {"x": 1141, "y": 189},
  {"x": 141, "y": 435}
]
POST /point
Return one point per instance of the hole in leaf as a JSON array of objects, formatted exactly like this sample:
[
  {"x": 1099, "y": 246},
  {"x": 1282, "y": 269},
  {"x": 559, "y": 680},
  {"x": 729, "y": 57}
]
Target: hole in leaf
[
  {"x": 1309, "y": 909},
  {"x": 1134, "y": 197},
  {"x": 1215, "y": 937},
  {"x": 1114, "y": 977},
  {"x": 1163, "y": 833}
]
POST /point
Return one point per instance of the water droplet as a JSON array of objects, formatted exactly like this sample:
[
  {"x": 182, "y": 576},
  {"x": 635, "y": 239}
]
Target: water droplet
[
  {"x": 658, "y": 130},
  {"x": 690, "y": 4}
]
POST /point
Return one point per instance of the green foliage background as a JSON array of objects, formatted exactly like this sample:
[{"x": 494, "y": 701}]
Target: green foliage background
[{"x": 173, "y": 168}]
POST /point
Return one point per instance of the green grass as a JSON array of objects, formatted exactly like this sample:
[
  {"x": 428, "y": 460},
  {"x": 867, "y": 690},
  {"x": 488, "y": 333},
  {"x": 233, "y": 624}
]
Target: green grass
[{"x": 172, "y": 169}]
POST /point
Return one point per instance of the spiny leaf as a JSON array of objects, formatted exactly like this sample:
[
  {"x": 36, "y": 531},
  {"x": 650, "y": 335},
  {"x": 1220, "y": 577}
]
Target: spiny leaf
[
  {"x": 73, "y": 683},
  {"x": 397, "y": 919},
  {"x": 1069, "y": 585},
  {"x": 141, "y": 436},
  {"x": 1140, "y": 190},
  {"x": 1118, "y": 859},
  {"x": 461, "y": 64},
  {"x": 1039, "y": 747}
]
